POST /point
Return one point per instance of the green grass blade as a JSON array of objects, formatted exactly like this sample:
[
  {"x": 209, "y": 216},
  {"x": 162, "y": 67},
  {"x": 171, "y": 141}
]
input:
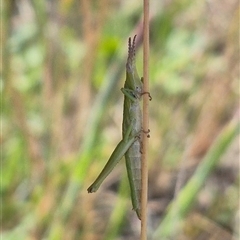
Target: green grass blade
[{"x": 184, "y": 201}]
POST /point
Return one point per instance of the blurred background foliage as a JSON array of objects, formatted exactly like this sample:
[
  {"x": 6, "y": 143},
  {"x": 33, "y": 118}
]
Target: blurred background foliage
[{"x": 62, "y": 69}]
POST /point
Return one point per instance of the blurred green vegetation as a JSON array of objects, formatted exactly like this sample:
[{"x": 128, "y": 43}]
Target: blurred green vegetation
[{"x": 63, "y": 64}]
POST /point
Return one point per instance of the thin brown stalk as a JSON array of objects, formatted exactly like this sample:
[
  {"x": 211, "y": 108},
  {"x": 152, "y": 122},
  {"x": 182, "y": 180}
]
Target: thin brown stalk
[
  {"x": 92, "y": 27},
  {"x": 145, "y": 121}
]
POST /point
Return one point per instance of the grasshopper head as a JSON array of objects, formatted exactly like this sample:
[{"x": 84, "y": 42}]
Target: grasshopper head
[{"x": 132, "y": 79}]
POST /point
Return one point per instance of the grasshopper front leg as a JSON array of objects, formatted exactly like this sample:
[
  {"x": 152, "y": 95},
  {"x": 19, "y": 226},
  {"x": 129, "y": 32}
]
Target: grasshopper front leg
[
  {"x": 115, "y": 157},
  {"x": 130, "y": 94}
]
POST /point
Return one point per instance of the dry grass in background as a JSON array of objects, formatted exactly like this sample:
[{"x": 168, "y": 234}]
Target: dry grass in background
[{"x": 62, "y": 69}]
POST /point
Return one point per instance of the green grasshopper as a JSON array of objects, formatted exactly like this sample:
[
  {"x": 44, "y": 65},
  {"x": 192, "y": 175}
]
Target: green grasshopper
[{"x": 130, "y": 145}]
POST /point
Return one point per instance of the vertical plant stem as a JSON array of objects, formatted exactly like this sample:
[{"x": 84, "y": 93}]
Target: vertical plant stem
[{"x": 145, "y": 121}]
